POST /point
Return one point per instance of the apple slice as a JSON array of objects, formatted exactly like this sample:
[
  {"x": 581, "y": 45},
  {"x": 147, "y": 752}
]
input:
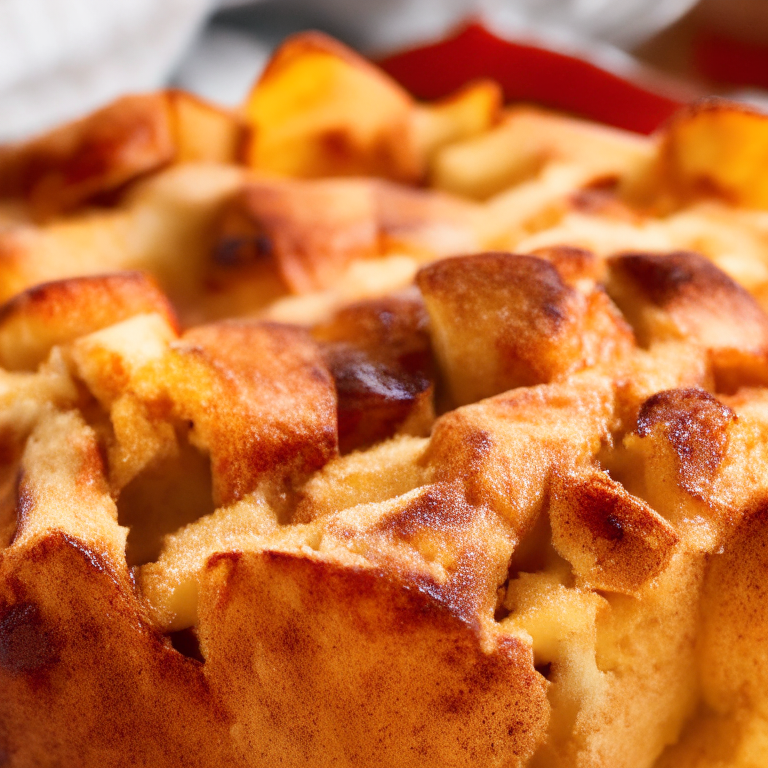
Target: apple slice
[{"x": 319, "y": 109}]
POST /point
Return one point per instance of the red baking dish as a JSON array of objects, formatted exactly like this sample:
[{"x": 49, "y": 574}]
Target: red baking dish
[{"x": 530, "y": 72}]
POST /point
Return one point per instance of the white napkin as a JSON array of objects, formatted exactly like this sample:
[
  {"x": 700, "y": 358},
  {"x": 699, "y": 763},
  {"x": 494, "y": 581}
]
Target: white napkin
[{"x": 62, "y": 58}]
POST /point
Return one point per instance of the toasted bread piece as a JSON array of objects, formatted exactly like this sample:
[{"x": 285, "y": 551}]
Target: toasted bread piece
[
  {"x": 534, "y": 327},
  {"x": 125, "y": 140},
  {"x": 312, "y": 231},
  {"x": 613, "y": 540},
  {"x": 683, "y": 295},
  {"x": 55, "y": 313},
  {"x": 379, "y": 354},
  {"x": 713, "y": 148}
]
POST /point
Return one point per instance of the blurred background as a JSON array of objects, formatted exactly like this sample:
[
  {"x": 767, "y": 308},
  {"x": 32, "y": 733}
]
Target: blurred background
[{"x": 62, "y": 58}]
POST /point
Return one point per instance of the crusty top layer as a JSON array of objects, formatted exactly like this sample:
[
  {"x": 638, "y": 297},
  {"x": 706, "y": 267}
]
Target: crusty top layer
[{"x": 415, "y": 435}]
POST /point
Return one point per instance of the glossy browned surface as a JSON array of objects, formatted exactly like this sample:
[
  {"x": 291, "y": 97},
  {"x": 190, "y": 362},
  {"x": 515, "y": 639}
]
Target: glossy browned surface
[
  {"x": 56, "y": 313},
  {"x": 379, "y": 354},
  {"x": 63, "y": 169}
]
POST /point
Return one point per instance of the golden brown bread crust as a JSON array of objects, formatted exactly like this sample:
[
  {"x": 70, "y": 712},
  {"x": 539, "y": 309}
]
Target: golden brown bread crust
[
  {"x": 534, "y": 327},
  {"x": 455, "y": 544},
  {"x": 90, "y": 157},
  {"x": 511, "y": 515},
  {"x": 412, "y": 683},
  {"x": 52, "y": 633},
  {"x": 379, "y": 354},
  {"x": 693, "y": 423},
  {"x": 445, "y": 618},
  {"x": 35, "y": 321},
  {"x": 236, "y": 374},
  {"x": 614, "y": 540}
]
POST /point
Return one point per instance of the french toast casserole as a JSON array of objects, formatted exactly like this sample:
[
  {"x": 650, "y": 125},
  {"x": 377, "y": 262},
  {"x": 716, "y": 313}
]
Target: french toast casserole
[{"x": 345, "y": 430}]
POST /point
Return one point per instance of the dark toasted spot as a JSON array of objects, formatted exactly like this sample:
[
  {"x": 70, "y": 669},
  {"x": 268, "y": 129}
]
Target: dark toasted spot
[
  {"x": 681, "y": 408},
  {"x": 356, "y": 375},
  {"x": 612, "y": 539},
  {"x": 665, "y": 278},
  {"x": 695, "y": 424},
  {"x": 379, "y": 355},
  {"x": 374, "y": 397},
  {"x": 599, "y": 509},
  {"x": 25, "y": 644},
  {"x": 612, "y": 528},
  {"x": 337, "y": 142},
  {"x": 233, "y": 251},
  {"x": 186, "y": 642},
  {"x": 479, "y": 442},
  {"x": 95, "y": 561}
]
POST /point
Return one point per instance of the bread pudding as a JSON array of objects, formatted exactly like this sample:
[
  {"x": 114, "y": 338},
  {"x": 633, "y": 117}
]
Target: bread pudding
[{"x": 345, "y": 430}]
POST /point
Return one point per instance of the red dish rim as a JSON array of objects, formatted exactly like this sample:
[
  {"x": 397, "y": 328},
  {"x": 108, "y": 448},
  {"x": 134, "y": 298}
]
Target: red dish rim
[{"x": 529, "y": 72}]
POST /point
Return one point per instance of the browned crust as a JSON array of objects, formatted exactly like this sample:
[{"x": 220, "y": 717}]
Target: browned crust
[
  {"x": 614, "y": 540},
  {"x": 373, "y": 643},
  {"x": 80, "y": 160},
  {"x": 261, "y": 396},
  {"x": 380, "y": 357},
  {"x": 694, "y": 424},
  {"x": 530, "y": 318},
  {"x": 501, "y": 320},
  {"x": 694, "y": 301},
  {"x": 357, "y": 669},
  {"x": 686, "y": 278},
  {"x": 55, "y": 629},
  {"x": 34, "y": 321},
  {"x": 572, "y": 263},
  {"x": 470, "y": 276},
  {"x": 311, "y": 231}
]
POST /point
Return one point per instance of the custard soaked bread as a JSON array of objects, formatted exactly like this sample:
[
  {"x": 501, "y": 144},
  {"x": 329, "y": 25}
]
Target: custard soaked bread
[{"x": 348, "y": 431}]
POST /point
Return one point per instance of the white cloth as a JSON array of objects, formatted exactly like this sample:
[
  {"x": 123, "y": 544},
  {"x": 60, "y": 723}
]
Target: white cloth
[{"x": 61, "y": 58}]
